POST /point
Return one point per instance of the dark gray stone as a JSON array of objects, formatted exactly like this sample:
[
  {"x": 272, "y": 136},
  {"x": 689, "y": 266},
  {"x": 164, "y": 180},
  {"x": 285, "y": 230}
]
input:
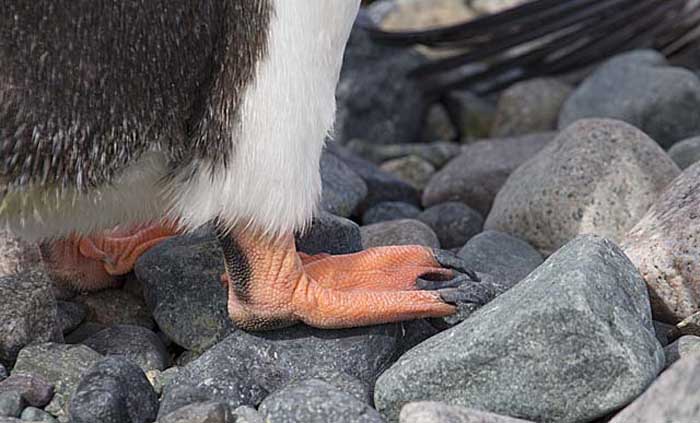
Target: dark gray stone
[
  {"x": 507, "y": 258},
  {"x": 475, "y": 176},
  {"x": 682, "y": 347},
  {"x": 642, "y": 89},
  {"x": 413, "y": 333},
  {"x": 381, "y": 186},
  {"x": 35, "y": 390},
  {"x": 28, "y": 314},
  {"x": 330, "y": 234},
  {"x": 204, "y": 412},
  {"x": 685, "y": 153},
  {"x": 315, "y": 401},
  {"x": 182, "y": 287},
  {"x": 135, "y": 343},
  {"x": 114, "y": 390},
  {"x": 343, "y": 189},
  {"x": 60, "y": 365},
  {"x": 398, "y": 232},
  {"x": 3, "y": 373},
  {"x": 453, "y": 223},
  {"x": 33, "y": 414},
  {"x": 340, "y": 380},
  {"x": 473, "y": 115},
  {"x": 673, "y": 397},
  {"x": 244, "y": 368},
  {"x": 438, "y": 125},
  {"x": 437, "y": 153},
  {"x": 11, "y": 404},
  {"x": 390, "y": 210},
  {"x": 116, "y": 307},
  {"x": 70, "y": 315},
  {"x": 436, "y": 412},
  {"x": 376, "y": 98},
  {"x": 663, "y": 331},
  {"x": 83, "y": 332},
  {"x": 542, "y": 350}
]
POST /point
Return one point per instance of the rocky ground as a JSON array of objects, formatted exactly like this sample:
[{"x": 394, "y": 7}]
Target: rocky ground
[{"x": 580, "y": 202}]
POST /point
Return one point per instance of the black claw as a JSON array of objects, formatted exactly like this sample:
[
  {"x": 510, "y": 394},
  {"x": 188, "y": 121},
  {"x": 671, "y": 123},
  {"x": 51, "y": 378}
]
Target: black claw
[
  {"x": 435, "y": 285},
  {"x": 478, "y": 293},
  {"x": 451, "y": 260}
]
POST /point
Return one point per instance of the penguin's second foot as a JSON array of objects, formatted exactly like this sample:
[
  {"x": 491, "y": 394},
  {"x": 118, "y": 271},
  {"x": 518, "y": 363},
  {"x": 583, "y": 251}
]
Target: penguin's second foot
[
  {"x": 270, "y": 285},
  {"x": 95, "y": 262}
]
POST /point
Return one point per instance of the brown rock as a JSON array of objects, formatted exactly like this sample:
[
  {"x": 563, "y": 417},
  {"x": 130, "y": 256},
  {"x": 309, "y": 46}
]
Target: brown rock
[
  {"x": 35, "y": 390},
  {"x": 665, "y": 246}
]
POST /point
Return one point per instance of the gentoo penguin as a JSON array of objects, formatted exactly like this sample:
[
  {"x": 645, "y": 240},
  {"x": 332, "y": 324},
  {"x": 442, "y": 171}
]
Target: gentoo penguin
[{"x": 183, "y": 112}]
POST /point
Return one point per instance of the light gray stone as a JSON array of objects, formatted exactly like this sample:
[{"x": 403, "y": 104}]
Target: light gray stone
[
  {"x": 685, "y": 153},
  {"x": 436, "y": 412},
  {"x": 682, "y": 347}
]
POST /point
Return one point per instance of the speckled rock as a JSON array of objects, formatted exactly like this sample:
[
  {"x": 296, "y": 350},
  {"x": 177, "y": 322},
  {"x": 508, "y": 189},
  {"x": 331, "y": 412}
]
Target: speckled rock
[
  {"x": 114, "y": 390},
  {"x": 682, "y": 347},
  {"x": 473, "y": 115},
  {"x": 343, "y": 189},
  {"x": 390, "y": 210},
  {"x": 399, "y": 232},
  {"x": 437, "y": 153},
  {"x": 83, "y": 332},
  {"x": 60, "y": 365},
  {"x": 182, "y": 287},
  {"x": 454, "y": 223},
  {"x": 204, "y": 412},
  {"x": 247, "y": 414},
  {"x": 475, "y": 176},
  {"x": 507, "y": 258},
  {"x": 411, "y": 169},
  {"x": 640, "y": 88},
  {"x": 70, "y": 315},
  {"x": 315, "y": 401},
  {"x": 11, "y": 404},
  {"x": 530, "y": 106},
  {"x": 33, "y": 414},
  {"x": 116, "y": 307},
  {"x": 28, "y": 314},
  {"x": 330, "y": 234},
  {"x": 436, "y": 412},
  {"x": 673, "y": 397},
  {"x": 35, "y": 390},
  {"x": 665, "y": 246},
  {"x": 143, "y": 347},
  {"x": 16, "y": 255},
  {"x": 542, "y": 350},
  {"x": 245, "y": 368},
  {"x": 598, "y": 176},
  {"x": 685, "y": 153}
]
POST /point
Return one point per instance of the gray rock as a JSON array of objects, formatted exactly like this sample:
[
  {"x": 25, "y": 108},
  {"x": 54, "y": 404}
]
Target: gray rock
[
  {"x": 598, "y": 176},
  {"x": 60, "y": 365},
  {"x": 381, "y": 186},
  {"x": 70, "y": 315},
  {"x": 530, "y": 106},
  {"x": 35, "y": 390},
  {"x": 83, "y": 332},
  {"x": 244, "y": 368},
  {"x": 315, "y": 401},
  {"x": 330, "y": 234},
  {"x": 376, "y": 98},
  {"x": 33, "y": 414},
  {"x": 17, "y": 255},
  {"x": 438, "y": 125},
  {"x": 182, "y": 286},
  {"x": 28, "y": 314},
  {"x": 453, "y": 223},
  {"x": 398, "y": 232},
  {"x": 437, "y": 153},
  {"x": 114, "y": 390},
  {"x": 474, "y": 116},
  {"x": 542, "y": 350},
  {"x": 413, "y": 333},
  {"x": 475, "y": 176},
  {"x": 3, "y": 373},
  {"x": 204, "y": 412},
  {"x": 641, "y": 89},
  {"x": 663, "y": 331},
  {"x": 413, "y": 170},
  {"x": 11, "y": 404},
  {"x": 143, "y": 347},
  {"x": 160, "y": 379},
  {"x": 682, "y": 347},
  {"x": 116, "y": 307},
  {"x": 390, "y": 210},
  {"x": 685, "y": 153},
  {"x": 247, "y": 414},
  {"x": 673, "y": 397},
  {"x": 436, "y": 412},
  {"x": 507, "y": 258},
  {"x": 342, "y": 381},
  {"x": 343, "y": 189},
  {"x": 665, "y": 247}
]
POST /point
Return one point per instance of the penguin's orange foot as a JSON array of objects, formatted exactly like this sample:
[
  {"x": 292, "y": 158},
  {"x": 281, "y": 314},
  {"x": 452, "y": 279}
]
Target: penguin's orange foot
[
  {"x": 95, "y": 262},
  {"x": 270, "y": 285}
]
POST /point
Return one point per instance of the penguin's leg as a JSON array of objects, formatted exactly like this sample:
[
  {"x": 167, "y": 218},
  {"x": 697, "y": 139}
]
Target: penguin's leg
[
  {"x": 270, "y": 286},
  {"x": 94, "y": 262}
]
